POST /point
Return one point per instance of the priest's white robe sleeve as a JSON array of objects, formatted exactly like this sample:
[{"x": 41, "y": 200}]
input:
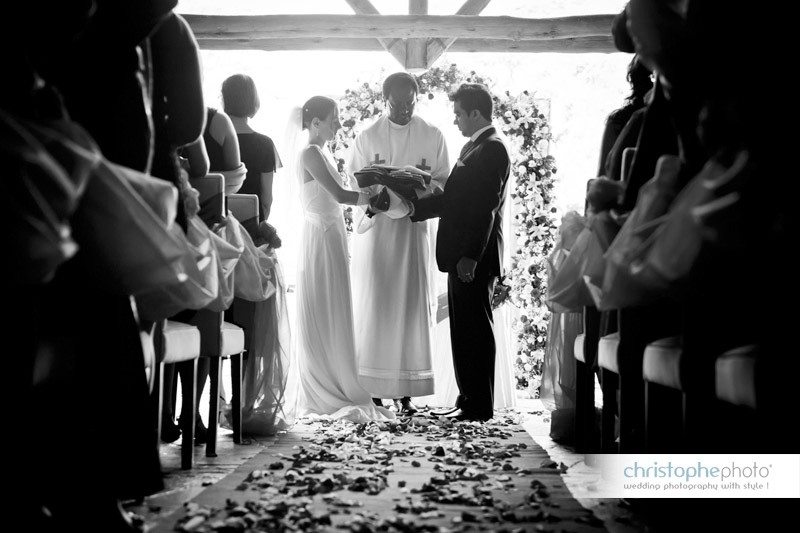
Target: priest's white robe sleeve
[{"x": 441, "y": 171}]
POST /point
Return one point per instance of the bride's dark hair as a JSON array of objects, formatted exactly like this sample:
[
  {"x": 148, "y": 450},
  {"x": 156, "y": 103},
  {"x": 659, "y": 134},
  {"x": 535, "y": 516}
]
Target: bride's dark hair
[{"x": 319, "y": 107}]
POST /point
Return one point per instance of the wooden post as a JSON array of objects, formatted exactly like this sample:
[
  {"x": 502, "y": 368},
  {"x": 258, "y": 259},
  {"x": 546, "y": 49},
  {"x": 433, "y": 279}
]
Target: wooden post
[
  {"x": 393, "y": 46},
  {"x": 437, "y": 47},
  {"x": 417, "y": 48}
]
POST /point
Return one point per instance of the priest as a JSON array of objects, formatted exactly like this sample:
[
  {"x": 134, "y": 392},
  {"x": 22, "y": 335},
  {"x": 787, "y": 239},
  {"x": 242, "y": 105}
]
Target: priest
[{"x": 390, "y": 264}]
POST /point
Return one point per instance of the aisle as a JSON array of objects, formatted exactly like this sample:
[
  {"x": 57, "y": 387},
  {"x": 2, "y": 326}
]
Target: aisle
[{"x": 422, "y": 475}]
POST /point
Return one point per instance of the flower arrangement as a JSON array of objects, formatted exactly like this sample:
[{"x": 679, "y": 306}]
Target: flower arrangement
[{"x": 532, "y": 183}]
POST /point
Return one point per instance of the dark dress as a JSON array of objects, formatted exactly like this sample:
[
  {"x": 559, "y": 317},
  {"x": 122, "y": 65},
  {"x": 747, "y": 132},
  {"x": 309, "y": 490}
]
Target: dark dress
[
  {"x": 615, "y": 123},
  {"x": 216, "y": 157},
  {"x": 259, "y": 155}
]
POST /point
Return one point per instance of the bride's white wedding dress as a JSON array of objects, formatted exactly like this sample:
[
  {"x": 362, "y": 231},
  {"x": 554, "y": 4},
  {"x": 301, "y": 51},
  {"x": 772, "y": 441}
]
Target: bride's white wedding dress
[{"x": 326, "y": 360}]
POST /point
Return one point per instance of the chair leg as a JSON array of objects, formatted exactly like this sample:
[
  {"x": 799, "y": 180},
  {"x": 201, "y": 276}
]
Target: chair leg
[
  {"x": 158, "y": 368},
  {"x": 698, "y": 412},
  {"x": 187, "y": 431},
  {"x": 608, "y": 437},
  {"x": 584, "y": 407},
  {"x": 631, "y": 404},
  {"x": 213, "y": 406},
  {"x": 662, "y": 418},
  {"x": 651, "y": 440},
  {"x": 236, "y": 397}
]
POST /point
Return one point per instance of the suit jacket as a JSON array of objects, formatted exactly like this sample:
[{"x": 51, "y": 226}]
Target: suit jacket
[{"x": 471, "y": 207}]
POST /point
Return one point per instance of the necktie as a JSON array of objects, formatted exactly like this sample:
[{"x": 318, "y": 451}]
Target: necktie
[{"x": 467, "y": 148}]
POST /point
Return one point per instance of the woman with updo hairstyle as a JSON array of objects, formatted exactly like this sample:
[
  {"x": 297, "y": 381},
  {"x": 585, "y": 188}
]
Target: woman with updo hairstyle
[
  {"x": 241, "y": 103},
  {"x": 326, "y": 358}
]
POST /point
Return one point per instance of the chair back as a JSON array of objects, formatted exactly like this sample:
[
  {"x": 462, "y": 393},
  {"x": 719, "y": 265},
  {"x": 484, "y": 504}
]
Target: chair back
[
  {"x": 212, "y": 197},
  {"x": 212, "y": 208},
  {"x": 245, "y": 208},
  {"x": 627, "y": 162}
]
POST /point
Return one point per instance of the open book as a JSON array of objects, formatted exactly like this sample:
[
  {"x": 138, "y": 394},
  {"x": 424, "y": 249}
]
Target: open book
[{"x": 405, "y": 181}]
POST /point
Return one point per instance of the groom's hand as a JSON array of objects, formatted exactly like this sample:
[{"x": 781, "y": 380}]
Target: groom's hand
[{"x": 466, "y": 269}]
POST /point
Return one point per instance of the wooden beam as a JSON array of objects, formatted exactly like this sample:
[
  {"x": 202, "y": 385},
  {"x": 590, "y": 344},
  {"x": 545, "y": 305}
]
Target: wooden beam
[
  {"x": 417, "y": 48},
  {"x": 396, "y": 47},
  {"x": 437, "y": 47},
  {"x": 572, "y": 45},
  {"x": 277, "y": 45},
  {"x": 397, "y": 26},
  {"x": 603, "y": 45}
]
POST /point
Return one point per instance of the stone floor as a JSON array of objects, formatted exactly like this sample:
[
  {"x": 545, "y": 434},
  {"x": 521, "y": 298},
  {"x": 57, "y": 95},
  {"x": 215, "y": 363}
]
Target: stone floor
[{"x": 182, "y": 486}]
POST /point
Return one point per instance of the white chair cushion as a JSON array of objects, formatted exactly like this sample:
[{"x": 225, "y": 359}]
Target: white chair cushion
[
  {"x": 607, "y": 352},
  {"x": 181, "y": 342},
  {"x": 662, "y": 362},
  {"x": 580, "y": 355},
  {"x": 232, "y": 339},
  {"x": 736, "y": 377}
]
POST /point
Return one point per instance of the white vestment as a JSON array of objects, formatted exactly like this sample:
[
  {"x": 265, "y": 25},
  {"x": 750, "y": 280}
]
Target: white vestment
[{"x": 390, "y": 268}]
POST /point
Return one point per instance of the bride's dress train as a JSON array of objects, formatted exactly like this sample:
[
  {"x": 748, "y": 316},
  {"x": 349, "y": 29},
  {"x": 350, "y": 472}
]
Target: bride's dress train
[{"x": 326, "y": 361}]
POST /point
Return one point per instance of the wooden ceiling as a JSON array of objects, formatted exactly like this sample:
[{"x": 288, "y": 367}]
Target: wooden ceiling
[{"x": 416, "y": 40}]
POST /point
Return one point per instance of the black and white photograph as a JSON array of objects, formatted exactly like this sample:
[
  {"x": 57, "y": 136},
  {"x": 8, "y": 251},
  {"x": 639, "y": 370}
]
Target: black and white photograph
[{"x": 398, "y": 265}]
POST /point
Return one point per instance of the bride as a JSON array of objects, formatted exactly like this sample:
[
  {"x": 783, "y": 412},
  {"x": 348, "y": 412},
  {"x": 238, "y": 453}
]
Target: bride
[{"x": 326, "y": 361}]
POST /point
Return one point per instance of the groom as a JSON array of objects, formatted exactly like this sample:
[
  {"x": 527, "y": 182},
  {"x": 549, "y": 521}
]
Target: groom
[{"x": 469, "y": 247}]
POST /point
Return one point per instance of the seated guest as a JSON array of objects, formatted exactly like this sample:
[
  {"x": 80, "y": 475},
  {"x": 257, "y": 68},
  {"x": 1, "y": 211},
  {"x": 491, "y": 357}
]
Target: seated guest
[
  {"x": 641, "y": 83},
  {"x": 222, "y": 145},
  {"x": 179, "y": 120},
  {"x": 89, "y": 52},
  {"x": 258, "y": 153}
]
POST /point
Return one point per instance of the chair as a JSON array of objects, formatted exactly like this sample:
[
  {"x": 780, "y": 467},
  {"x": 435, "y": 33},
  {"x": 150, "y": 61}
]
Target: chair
[
  {"x": 620, "y": 355},
  {"x": 585, "y": 351},
  {"x": 177, "y": 343},
  {"x": 218, "y": 339},
  {"x": 245, "y": 208},
  {"x": 745, "y": 426},
  {"x": 665, "y": 408},
  {"x": 628, "y": 154},
  {"x": 735, "y": 379},
  {"x": 607, "y": 348}
]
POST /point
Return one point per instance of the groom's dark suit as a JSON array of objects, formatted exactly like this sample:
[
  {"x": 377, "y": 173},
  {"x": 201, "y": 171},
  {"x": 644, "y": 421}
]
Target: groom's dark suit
[{"x": 471, "y": 211}]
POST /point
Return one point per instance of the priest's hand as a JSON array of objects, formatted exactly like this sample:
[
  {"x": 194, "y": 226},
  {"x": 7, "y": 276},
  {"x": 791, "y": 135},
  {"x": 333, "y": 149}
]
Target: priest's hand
[{"x": 466, "y": 269}]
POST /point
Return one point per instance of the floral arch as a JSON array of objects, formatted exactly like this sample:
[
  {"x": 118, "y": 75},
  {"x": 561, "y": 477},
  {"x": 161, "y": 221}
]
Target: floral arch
[{"x": 533, "y": 208}]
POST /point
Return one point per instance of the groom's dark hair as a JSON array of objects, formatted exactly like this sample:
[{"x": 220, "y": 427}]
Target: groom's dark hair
[
  {"x": 474, "y": 96},
  {"x": 399, "y": 79}
]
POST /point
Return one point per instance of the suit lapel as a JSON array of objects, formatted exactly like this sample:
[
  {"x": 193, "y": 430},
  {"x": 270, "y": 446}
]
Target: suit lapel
[{"x": 482, "y": 137}]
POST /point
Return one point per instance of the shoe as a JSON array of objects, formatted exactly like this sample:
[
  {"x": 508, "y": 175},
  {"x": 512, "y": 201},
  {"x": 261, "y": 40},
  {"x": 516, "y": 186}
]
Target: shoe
[
  {"x": 445, "y": 412},
  {"x": 467, "y": 416},
  {"x": 200, "y": 432},
  {"x": 170, "y": 432},
  {"x": 378, "y": 402},
  {"x": 407, "y": 407},
  {"x": 108, "y": 516}
]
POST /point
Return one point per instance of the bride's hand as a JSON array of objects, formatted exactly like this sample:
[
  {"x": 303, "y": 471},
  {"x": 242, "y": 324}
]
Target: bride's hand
[{"x": 380, "y": 202}]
